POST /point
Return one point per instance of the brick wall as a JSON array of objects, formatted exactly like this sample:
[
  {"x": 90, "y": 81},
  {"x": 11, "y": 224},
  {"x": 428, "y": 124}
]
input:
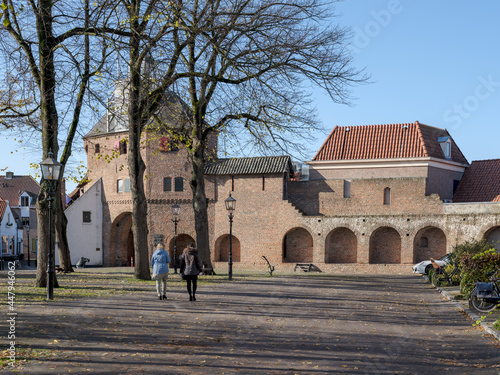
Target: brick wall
[
  {"x": 117, "y": 206},
  {"x": 336, "y": 233},
  {"x": 429, "y": 243},
  {"x": 385, "y": 246},
  {"x": 440, "y": 181},
  {"x": 341, "y": 246},
  {"x": 326, "y": 197}
]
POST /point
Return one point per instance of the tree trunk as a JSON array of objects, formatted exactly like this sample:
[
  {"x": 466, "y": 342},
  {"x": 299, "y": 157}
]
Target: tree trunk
[
  {"x": 137, "y": 168},
  {"x": 139, "y": 204},
  {"x": 197, "y": 184},
  {"x": 61, "y": 224},
  {"x": 49, "y": 120}
]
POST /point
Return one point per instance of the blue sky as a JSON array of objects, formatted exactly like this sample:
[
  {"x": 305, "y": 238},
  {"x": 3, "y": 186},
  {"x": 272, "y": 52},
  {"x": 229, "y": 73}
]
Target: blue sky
[{"x": 437, "y": 62}]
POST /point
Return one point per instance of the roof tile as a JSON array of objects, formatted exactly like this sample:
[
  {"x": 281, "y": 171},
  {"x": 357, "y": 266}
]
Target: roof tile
[
  {"x": 480, "y": 182},
  {"x": 410, "y": 140},
  {"x": 11, "y": 188},
  {"x": 255, "y": 165}
]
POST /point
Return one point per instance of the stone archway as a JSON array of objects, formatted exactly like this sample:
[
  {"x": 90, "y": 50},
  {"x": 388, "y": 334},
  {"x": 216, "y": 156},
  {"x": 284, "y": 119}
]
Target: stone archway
[
  {"x": 341, "y": 246},
  {"x": 297, "y": 246},
  {"x": 429, "y": 242},
  {"x": 183, "y": 240},
  {"x": 121, "y": 245},
  {"x": 385, "y": 246},
  {"x": 222, "y": 249},
  {"x": 492, "y": 236}
]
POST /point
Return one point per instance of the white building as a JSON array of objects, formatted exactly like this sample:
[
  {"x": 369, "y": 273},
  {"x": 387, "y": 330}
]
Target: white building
[{"x": 85, "y": 226}]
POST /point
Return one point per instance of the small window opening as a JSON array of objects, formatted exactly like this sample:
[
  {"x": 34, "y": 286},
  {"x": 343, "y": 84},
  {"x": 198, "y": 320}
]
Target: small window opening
[
  {"x": 179, "y": 184},
  {"x": 120, "y": 186},
  {"x": 263, "y": 183},
  {"x": 87, "y": 217},
  {"x": 167, "y": 184},
  {"x": 347, "y": 189},
  {"x": 387, "y": 196}
]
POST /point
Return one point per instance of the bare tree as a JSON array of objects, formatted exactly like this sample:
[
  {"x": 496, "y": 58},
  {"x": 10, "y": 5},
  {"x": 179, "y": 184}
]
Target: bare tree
[
  {"x": 246, "y": 74},
  {"x": 56, "y": 63},
  {"x": 241, "y": 68}
]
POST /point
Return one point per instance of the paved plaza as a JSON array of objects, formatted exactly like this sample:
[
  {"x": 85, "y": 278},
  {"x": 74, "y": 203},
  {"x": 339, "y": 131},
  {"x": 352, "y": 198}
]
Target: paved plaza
[{"x": 303, "y": 324}]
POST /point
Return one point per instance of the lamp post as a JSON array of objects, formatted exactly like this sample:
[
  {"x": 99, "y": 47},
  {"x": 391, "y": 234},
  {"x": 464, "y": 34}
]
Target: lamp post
[
  {"x": 27, "y": 228},
  {"x": 176, "y": 210},
  {"x": 230, "y": 207},
  {"x": 50, "y": 172}
]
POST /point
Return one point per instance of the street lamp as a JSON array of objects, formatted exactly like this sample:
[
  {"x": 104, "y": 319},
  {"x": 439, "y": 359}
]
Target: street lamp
[
  {"x": 27, "y": 228},
  {"x": 230, "y": 207},
  {"x": 51, "y": 170},
  {"x": 176, "y": 210}
]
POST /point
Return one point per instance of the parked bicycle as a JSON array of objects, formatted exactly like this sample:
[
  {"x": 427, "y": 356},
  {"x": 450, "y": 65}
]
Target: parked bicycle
[
  {"x": 441, "y": 278},
  {"x": 485, "y": 296}
]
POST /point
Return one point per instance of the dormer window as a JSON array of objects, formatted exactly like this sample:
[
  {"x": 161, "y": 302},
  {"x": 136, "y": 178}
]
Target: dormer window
[
  {"x": 25, "y": 201},
  {"x": 445, "y": 143}
]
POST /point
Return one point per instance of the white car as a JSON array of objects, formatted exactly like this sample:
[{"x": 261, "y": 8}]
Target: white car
[{"x": 425, "y": 266}]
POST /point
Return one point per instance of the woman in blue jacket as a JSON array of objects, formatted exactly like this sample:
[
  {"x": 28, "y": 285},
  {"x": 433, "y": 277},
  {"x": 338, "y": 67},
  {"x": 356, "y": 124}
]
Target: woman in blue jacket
[{"x": 159, "y": 262}]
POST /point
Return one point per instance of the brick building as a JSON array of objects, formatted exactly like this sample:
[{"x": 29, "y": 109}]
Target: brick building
[{"x": 378, "y": 198}]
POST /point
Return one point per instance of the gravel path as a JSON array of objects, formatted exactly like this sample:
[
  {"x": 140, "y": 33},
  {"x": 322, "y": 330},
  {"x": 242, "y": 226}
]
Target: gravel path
[{"x": 304, "y": 324}]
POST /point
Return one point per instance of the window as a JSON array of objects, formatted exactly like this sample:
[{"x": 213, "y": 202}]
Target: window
[
  {"x": 232, "y": 183},
  {"x": 263, "y": 183},
  {"x": 445, "y": 143},
  {"x": 126, "y": 185},
  {"x": 167, "y": 184},
  {"x": 347, "y": 189},
  {"x": 5, "y": 240},
  {"x": 387, "y": 196},
  {"x": 166, "y": 145},
  {"x": 97, "y": 148},
  {"x": 25, "y": 221},
  {"x": 120, "y": 186},
  {"x": 123, "y": 147},
  {"x": 87, "y": 217},
  {"x": 179, "y": 184},
  {"x": 447, "y": 153},
  {"x": 25, "y": 201}
]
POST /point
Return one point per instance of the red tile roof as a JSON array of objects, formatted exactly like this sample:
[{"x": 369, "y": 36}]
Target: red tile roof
[
  {"x": 411, "y": 140},
  {"x": 11, "y": 188},
  {"x": 3, "y": 206},
  {"x": 480, "y": 183}
]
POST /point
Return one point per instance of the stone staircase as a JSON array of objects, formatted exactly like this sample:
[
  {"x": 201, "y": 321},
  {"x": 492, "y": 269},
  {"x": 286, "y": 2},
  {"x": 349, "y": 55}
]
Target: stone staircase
[{"x": 296, "y": 208}]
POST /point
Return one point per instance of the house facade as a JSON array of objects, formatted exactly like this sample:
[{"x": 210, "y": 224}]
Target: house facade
[{"x": 18, "y": 226}]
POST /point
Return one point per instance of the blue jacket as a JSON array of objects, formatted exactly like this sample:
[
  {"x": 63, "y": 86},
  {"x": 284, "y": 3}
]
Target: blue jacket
[{"x": 160, "y": 261}]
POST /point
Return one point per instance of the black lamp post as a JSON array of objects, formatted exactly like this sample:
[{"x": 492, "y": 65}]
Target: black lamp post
[
  {"x": 50, "y": 172},
  {"x": 27, "y": 228},
  {"x": 176, "y": 210},
  {"x": 230, "y": 207}
]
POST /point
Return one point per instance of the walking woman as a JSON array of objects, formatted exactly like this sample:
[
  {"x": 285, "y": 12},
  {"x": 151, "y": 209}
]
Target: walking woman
[
  {"x": 159, "y": 262},
  {"x": 191, "y": 266}
]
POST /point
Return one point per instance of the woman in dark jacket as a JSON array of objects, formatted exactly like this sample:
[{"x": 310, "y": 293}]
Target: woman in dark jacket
[{"x": 191, "y": 266}]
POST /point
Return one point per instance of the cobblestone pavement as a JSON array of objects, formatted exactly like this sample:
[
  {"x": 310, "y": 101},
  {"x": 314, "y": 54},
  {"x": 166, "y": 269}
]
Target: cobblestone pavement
[{"x": 305, "y": 324}]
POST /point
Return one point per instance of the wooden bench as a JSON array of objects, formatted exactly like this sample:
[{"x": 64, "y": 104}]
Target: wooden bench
[{"x": 306, "y": 267}]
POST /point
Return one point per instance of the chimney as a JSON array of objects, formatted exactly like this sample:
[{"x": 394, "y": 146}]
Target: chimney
[{"x": 9, "y": 175}]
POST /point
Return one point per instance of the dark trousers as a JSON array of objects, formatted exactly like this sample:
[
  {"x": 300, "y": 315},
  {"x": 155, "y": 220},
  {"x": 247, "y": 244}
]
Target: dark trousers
[{"x": 191, "y": 279}]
